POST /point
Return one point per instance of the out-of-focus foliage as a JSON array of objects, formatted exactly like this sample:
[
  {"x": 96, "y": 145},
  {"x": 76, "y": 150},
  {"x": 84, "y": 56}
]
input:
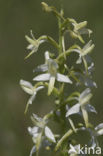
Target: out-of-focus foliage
[{"x": 16, "y": 19}]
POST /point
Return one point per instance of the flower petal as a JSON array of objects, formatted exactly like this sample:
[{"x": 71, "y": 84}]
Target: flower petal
[
  {"x": 99, "y": 126},
  {"x": 63, "y": 78},
  {"x": 85, "y": 93},
  {"x": 42, "y": 68},
  {"x": 39, "y": 88},
  {"x": 88, "y": 48},
  {"x": 49, "y": 134},
  {"x": 85, "y": 96},
  {"x": 47, "y": 55},
  {"x": 90, "y": 108},
  {"x": 42, "y": 77},
  {"x": 26, "y": 86},
  {"x": 33, "y": 130},
  {"x": 73, "y": 110}
]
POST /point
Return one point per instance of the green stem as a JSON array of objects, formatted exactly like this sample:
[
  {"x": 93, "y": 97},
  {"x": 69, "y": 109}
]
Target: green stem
[
  {"x": 50, "y": 40},
  {"x": 66, "y": 135},
  {"x": 60, "y": 34},
  {"x": 66, "y": 53}
]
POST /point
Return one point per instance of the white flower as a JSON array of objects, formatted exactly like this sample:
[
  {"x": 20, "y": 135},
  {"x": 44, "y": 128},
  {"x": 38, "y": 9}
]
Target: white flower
[
  {"x": 79, "y": 29},
  {"x": 82, "y": 105},
  {"x": 33, "y": 44},
  {"x": 84, "y": 51},
  {"x": 28, "y": 88},
  {"x": 51, "y": 66},
  {"x": 49, "y": 134}
]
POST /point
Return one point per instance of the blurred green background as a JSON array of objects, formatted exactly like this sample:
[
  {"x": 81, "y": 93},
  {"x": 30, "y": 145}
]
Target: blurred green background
[{"x": 17, "y": 18}]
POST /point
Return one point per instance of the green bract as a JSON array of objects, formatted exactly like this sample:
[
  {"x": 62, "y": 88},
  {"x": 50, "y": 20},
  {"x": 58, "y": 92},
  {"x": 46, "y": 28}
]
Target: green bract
[{"x": 60, "y": 76}]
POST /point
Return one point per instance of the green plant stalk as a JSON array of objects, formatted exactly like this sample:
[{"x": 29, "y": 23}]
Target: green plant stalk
[
  {"x": 60, "y": 33},
  {"x": 67, "y": 134}
]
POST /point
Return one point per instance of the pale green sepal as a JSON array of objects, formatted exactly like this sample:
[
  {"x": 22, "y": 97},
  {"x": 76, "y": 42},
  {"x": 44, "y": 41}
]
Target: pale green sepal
[{"x": 51, "y": 84}]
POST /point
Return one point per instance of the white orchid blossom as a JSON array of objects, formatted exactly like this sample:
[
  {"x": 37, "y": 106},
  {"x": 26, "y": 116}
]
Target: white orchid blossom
[
  {"x": 79, "y": 29},
  {"x": 33, "y": 44},
  {"x": 84, "y": 51},
  {"x": 82, "y": 105},
  {"x": 31, "y": 90},
  {"x": 51, "y": 66},
  {"x": 38, "y": 130}
]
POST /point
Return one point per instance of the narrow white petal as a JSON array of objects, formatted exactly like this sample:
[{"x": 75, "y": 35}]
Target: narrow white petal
[
  {"x": 85, "y": 93},
  {"x": 42, "y": 68},
  {"x": 47, "y": 55},
  {"x": 99, "y": 126},
  {"x": 26, "y": 83},
  {"x": 87, "y": 45},
  {"x": 100, "y": 132},
  {"x": 85, "y": 96},
  {"x": 42, "y": 77},
  {"x": 39, "y": 88},
  {"x": 33, "y": 130},
  {"x": 63, "y": 78},
  {"x": 30, "y": 47},
  {"x": 73, "y": 110},
  {"x": 49, "y": 134},
  {"x": 26, "y": 86}
]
